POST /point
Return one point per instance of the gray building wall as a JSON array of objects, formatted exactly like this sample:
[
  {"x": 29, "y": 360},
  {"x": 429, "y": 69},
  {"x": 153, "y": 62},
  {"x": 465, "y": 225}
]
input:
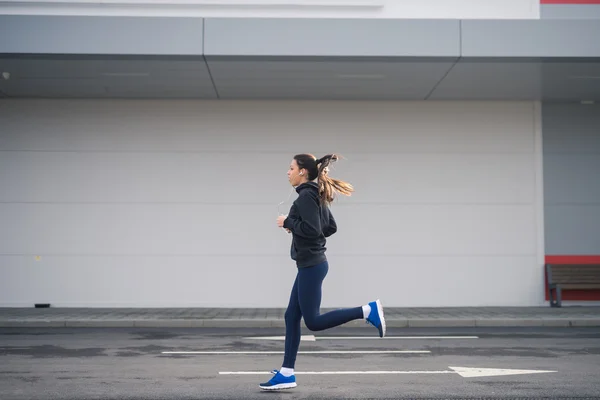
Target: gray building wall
[
  {"x": 570, "y": 11},
  {"x": 571, "y": 151}
]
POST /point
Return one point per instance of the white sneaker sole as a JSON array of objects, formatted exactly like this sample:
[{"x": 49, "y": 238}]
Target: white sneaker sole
[
  {"x": 279, "y": 386},
  {"x": 381, "y": 318}
]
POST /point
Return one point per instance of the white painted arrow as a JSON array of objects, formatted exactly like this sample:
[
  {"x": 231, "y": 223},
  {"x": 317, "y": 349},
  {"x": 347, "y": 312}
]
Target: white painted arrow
[
  {"x": 475, "y": 372},
  {"x": 465, "y": 372}
]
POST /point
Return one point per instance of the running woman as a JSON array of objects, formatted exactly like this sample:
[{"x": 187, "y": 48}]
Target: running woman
[{"x": 310, "y": 221}]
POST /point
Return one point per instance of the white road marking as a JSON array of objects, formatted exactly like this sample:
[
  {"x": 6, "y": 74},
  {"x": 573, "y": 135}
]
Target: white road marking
[
  {"x": 465, "y": 372},
  {"x": 306, "y": 338},
  {"x": 312, "y": 338},
  {"x": 303, "y": 352},
  {"x": 336, "y": 372},
  {"x": 393, "y": 337}
]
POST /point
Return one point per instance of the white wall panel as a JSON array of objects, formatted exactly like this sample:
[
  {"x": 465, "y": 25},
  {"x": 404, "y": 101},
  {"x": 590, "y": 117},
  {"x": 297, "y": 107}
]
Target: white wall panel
[
  {"x": 396, "y": 229},
  {"x": 156, "y": 229},
  {"x": 433, "y": 281},
  {"x": 150, "y": 203},
  {"x": 172, "y": 229},
  {"x": 129, "y": 177},
  {"x": 206, "y": 281},
  {"x": 267, "y": 127},
  {"x": 144, "y": 280}
]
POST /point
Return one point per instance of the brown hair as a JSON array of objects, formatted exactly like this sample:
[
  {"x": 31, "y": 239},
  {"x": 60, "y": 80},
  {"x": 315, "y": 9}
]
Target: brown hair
[{"x": 318, "y": 168}]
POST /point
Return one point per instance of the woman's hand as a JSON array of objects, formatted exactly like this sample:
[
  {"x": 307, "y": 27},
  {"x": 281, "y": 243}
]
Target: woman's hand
[{"x": 280, "y": 220}]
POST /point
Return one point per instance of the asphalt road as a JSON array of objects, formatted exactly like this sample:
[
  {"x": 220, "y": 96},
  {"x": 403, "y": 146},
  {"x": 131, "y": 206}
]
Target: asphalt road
[{"x": 81, "y": 363}]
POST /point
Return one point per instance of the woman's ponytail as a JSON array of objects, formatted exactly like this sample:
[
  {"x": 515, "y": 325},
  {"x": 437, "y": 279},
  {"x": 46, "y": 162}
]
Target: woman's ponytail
[{"x": 328, "y": 186}]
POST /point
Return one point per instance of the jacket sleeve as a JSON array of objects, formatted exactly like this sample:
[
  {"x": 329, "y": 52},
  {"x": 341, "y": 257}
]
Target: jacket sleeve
[
  {"x": 332, "y": 227},
  {"x": 308, "y": 224}
]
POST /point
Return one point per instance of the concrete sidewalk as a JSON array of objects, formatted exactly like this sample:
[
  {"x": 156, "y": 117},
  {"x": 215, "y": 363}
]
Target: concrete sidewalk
[{"x": 576, "y": 316}]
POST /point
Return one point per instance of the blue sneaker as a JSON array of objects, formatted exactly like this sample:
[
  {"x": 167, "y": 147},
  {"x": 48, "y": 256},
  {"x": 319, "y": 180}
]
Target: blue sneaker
[
  {"x": 376, "y": 318},
  {"x": 279, "y": 382}
]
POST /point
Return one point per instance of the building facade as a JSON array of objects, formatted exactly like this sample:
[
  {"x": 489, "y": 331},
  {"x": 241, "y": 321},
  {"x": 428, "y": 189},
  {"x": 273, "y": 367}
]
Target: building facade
[{"x": 144, "y": 148}]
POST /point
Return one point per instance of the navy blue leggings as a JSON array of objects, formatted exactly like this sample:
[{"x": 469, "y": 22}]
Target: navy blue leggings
[{"x": 305, "y": 301}]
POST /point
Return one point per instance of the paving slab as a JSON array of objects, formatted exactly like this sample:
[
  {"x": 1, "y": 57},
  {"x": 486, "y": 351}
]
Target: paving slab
[{"x": 576, "y": 316}]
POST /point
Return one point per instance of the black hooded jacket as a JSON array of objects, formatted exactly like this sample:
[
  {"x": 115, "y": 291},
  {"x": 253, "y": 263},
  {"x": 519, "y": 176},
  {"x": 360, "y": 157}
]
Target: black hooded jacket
[{"x": 310, "y": 223}]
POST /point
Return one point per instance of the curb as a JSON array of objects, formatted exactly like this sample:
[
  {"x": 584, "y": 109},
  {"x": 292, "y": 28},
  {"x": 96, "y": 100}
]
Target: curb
[{"x": 280, "y": 323}]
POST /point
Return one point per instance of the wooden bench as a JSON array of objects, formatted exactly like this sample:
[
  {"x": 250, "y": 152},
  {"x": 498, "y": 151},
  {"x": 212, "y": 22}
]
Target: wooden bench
[{"x": 571, "y": 277}]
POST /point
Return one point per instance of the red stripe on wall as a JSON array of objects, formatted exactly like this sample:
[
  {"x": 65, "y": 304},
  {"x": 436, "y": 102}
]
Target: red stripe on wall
[
  {"x": 576, "y": 295},
  {"x": 572, "y": 259},
  {"x": 569, "y": 1}
]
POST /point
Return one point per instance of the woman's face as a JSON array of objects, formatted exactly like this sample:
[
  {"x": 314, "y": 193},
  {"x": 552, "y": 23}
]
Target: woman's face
[{"x": 294, "y": 174}]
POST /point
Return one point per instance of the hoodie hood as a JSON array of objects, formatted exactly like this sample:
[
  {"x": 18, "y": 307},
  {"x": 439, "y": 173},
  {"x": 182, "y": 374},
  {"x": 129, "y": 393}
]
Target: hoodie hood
[{"x": 313, "y": 186}]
